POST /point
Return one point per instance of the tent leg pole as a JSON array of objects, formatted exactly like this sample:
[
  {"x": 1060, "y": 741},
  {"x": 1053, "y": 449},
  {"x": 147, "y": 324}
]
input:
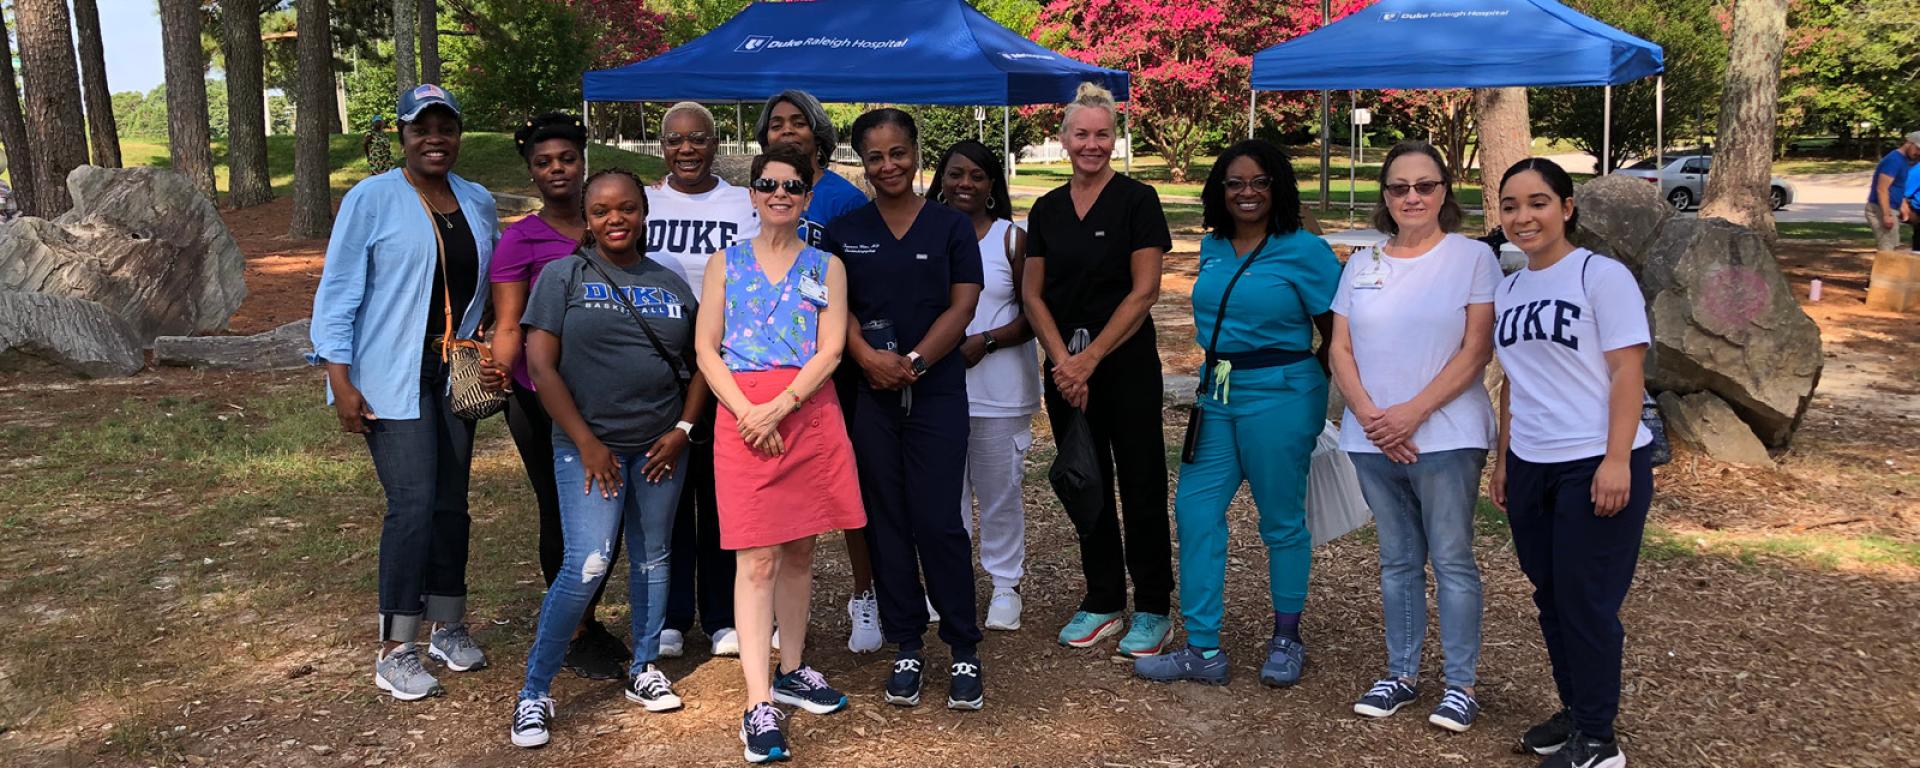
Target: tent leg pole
[
  {"x": 1606, "y": 134},
  {"x": 1006, "y": 138},
  {"x": 586, "y": 122},
  {"x": 1660, "y": 121},
  {"x": 1127, "y": 117},
  {"x": 1326, "y": 148},
  {"x": 740, "y": 125},
  {"x": 1253, "y": 123},
  {"x": 1353, "y": 158}
]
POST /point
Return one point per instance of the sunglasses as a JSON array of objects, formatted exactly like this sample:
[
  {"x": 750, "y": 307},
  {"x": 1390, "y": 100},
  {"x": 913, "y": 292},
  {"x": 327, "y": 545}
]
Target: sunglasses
[
  {"x": 1259, "y": 184},
  {"x": 766, "y": 186},
  {"x": 697, "y": 139},
  {"x": 1425, "y": 188}
]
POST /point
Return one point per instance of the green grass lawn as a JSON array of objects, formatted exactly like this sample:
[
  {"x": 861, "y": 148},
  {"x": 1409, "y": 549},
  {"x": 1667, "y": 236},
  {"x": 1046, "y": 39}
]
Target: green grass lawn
[{"x": 488, "y": 159}]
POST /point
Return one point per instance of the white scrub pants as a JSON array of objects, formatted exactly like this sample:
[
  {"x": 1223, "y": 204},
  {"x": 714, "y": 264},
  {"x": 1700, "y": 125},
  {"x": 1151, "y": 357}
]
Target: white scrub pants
[{"x": 996, "y": 464}]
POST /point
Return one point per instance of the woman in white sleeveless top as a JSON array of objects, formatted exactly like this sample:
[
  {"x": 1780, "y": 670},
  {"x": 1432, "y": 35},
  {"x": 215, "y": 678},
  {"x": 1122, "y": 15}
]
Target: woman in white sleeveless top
[{"x": 1003, "y": 374}]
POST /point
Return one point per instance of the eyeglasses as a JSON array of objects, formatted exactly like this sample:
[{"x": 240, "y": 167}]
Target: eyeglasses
[
  {"x": 697, "y": 139},
  {"x": 1425, "y": 188},
  {"x": 1259, "y": 184},
  {"x": 766, "y": 186}
]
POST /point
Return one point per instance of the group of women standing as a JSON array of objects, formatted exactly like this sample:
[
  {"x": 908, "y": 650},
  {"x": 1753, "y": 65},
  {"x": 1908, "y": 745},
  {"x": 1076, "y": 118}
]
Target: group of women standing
[{"x": 717, "y": 375}]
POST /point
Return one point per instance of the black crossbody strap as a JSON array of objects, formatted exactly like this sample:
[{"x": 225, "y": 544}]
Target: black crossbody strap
[
  {"x": 680, "y": 373},
  {"x": 1220, "y": 315}
]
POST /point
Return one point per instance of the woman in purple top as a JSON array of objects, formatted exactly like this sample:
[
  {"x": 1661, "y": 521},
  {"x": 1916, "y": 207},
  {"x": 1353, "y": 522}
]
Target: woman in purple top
[{"x": 553, "y": 145}]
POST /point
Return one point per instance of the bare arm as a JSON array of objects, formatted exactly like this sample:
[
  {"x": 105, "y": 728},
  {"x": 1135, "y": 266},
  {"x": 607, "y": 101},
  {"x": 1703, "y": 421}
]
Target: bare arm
[
  {"x": 509, "y": 302},
  {"x": 1346, "y": 371},
  {"x": 947, "y": 329},
  {"x": 1497, "y": 485},
  {"x": 1145, "y": 265},
  {"x": 832, "y": 335},
  {"x": 1033, "y": 282},
  {"x": 709, "y": 330},
  {"x": 543, "y": 364},
  {"x": 1613, "y": 481},
  {"x": 1396, "y": 424},
  {"x": 1882, "y": 185},
  {"x": 1017, "y": 330}
]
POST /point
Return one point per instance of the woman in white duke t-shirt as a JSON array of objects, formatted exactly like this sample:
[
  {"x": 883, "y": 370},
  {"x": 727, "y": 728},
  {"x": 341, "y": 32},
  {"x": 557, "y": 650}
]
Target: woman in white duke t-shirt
[
  {"x": 1003, "y": 373},
  {"x": 1574, "y": 472},
  {"x": 1412, "y": 333}
]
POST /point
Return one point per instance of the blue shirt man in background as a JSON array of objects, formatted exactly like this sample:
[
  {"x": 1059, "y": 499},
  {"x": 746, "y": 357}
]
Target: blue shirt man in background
[{"x": 1885, "y": 203}]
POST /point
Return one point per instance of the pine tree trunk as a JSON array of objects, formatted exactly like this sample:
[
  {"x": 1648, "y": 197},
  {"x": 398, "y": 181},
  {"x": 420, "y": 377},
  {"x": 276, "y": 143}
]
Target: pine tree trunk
[
  {"x": 1749, "y": 103},
  {"x": 248, "y": 183},
  {"x": 406, "y": 20},
  {"x": 93, "y": 85},
  {"x": 1505, "y": 138},
  {"x": 13, "y": 133},
  {"x": 312, "y": 201},
  {"x": 189, "y": 138},
  {"x": 430, "y": 41},
  {"x": 56, "y": 128}
]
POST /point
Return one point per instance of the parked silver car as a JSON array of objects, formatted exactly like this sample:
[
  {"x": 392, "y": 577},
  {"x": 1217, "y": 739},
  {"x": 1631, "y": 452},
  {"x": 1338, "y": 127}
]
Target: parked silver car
[{"x": 1684, "y": 181}]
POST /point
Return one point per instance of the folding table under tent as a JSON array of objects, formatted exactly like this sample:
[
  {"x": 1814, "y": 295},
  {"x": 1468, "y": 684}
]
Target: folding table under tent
[
  {"x": 893, "y": 51},
  {"x": 1433, "y": 44}
]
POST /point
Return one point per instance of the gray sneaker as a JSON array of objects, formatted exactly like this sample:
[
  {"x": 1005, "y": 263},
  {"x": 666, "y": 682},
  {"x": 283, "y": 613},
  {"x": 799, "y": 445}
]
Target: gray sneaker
[
  {"x": 400, "y": 674},
  {"x": 451, "y": 645}
]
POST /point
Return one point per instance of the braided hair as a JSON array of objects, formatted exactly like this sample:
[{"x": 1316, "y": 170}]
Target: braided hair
[
  {"x": 638, "y": 185},
  {"x": 551, "y": 125}
]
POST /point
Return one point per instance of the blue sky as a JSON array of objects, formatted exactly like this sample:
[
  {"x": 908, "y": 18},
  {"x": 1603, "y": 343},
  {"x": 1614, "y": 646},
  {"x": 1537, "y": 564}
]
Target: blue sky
[{"x": 130, "y": 34}]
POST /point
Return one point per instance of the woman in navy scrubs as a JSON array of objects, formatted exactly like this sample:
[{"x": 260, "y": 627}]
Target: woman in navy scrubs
[{"x": 913, "y": 278}]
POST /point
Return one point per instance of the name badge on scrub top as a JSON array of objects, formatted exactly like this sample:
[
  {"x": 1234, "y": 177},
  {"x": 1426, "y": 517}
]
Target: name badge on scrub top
[
  {"x": 813, "y": 290},
  {"x": 1372, "y": 276}
]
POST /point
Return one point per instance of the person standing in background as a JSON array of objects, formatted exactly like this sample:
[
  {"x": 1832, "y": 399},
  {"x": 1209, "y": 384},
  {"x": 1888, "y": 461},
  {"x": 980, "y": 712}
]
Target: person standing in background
[
  {"x": 1094, "y": 252},
  {"x": 1884, "y": 192},
  {"x": 1003, "y": 373},
  {"x": 691, "y": 215}
]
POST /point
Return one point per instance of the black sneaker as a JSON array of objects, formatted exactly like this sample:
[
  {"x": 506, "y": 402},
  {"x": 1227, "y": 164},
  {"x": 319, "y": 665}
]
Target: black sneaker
[
  {"x": 1547, "y": 738},
  {"x": 1385, "y": 698},
  {"x": 530, "y": 722},
  {"x": 760, "y": 731},
  {"x": 1583, "y": 752},
  {"x": 808, "y": 690},
  {"x": 903, "y": 686},
  {"x": 597, "y": 655},
  {"x": 964, "y": 688}
]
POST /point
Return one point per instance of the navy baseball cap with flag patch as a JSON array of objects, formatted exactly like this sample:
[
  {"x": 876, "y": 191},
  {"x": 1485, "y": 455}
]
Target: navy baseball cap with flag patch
[{"x": 413, "y": 102}]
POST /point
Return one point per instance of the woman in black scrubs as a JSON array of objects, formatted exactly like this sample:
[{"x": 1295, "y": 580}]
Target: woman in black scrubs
[
  {"x": 1094, "y": 249},
  {"x": 913, "y": 277}
]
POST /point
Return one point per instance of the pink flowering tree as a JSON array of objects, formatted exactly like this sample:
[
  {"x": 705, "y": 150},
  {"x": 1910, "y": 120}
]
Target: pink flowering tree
[{"x": 1190, "y": 61}]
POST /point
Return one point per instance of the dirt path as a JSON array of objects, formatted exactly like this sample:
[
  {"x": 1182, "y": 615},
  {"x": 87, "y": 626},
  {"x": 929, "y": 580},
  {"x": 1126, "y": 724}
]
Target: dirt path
[{"x": 189, "y": 562}]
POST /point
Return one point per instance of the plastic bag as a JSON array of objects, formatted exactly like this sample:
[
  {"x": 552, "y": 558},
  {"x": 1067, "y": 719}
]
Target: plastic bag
[{"x": 1335, "y": 506}]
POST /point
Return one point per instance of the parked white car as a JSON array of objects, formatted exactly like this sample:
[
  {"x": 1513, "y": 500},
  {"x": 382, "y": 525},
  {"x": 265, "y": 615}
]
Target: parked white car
[{"x": 1684, "y": 181}]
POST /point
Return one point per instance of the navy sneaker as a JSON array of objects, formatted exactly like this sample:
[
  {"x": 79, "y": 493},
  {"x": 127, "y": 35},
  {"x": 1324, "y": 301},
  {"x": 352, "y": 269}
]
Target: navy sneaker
[
  {"x": 760, "y": 731},
  {"x": 1183, "y": 664},
  {"x": 1457, "y": 711},
  {"x": 1385, "y": 698},
  {"x": 964, "y": 687},
  {"x": 808, "y": 690},
  {"x": 903, "y": 686},
  {"x": 1583, "y": 752},
  {"x": 1284, "y": 660},
  {"x": 1547, "y": 738}
]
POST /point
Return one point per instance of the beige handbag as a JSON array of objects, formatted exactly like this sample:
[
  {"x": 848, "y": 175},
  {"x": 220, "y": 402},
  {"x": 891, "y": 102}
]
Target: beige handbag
[{"x": 466, "y": 359}]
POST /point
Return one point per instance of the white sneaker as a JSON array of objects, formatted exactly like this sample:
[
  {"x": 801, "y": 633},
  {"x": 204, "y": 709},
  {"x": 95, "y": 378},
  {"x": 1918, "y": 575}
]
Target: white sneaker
[
  {"x": 1004, "y": 612},
  {"x": 672, "y": 643},
  {"x": 864, "y": 610},
  {"x": 933, "y": 616},
  {"x": 726, "y": 642}
]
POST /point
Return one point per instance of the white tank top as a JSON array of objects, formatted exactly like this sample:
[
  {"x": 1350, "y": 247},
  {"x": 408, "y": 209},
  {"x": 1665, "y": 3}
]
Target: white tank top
[{"x": 1006, "y": 383}]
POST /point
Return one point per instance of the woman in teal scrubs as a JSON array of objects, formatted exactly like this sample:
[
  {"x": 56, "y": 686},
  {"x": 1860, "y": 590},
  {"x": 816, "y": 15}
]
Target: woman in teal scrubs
[{"x": 1263, "y": 404}]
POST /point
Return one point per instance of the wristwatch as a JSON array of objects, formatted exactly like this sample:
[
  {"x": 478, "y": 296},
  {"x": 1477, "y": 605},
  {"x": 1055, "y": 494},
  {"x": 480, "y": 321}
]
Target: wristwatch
[
  {"x": 987, "y": 340},
  {"x": 919, "y": 363},
  {"x": 685, "y": 426}
]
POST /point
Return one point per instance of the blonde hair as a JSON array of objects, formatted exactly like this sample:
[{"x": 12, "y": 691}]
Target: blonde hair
[
  {"x": 687, "y": 106},
  {"x": 1089, "y": 95}
]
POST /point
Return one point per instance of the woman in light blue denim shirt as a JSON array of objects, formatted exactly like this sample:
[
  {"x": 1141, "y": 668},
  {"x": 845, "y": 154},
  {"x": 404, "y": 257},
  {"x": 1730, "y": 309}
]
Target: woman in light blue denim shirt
[{"x": 378, "y": 315}]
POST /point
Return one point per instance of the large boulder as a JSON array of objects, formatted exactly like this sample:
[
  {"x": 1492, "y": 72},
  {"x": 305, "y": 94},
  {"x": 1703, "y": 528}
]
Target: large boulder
[
  {"x": 1725, "y": 322},
  {"x": 281, "y": 348},
  {"x": 1723, "y": 319},
  {"x": 1704, "y": 421},
  {"x": 38, "y": 331},
  {"x": 142, "y": 242}
]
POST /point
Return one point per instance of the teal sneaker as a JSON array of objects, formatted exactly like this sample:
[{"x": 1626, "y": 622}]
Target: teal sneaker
[
  {"x": 1148, "y": 636},
  {"x": 1088, "y": 628}
]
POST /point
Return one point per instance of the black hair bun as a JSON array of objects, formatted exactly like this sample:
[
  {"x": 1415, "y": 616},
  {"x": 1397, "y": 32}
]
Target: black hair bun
[{"x": 550, "y": 125}]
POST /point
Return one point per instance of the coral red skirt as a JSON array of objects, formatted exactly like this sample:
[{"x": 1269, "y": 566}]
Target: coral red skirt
[{"x": 810, "y": 489}]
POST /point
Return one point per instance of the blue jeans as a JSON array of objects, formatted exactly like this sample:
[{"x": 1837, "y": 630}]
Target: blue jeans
[
  {"x": 589, "y": 523},
  {"x": 422, "y": 464},
  {"x": 1424, "y": 511}
]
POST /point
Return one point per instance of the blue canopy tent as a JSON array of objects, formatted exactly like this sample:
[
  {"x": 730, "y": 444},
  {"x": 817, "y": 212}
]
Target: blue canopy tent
[
  {"x": 1423, "y": 44},
  {"x": 897, "y": 51}
]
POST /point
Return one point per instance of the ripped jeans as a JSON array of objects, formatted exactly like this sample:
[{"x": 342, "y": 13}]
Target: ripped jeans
[{"x": 589, "y": 523}]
